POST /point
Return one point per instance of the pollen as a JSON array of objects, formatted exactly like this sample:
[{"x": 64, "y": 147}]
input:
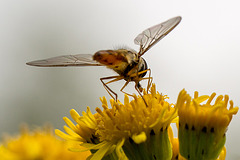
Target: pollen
[{"x": 133, "y": 118}]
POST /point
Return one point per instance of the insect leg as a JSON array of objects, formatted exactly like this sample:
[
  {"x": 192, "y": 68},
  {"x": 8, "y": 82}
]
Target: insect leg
[
  {"x": 124, "y": 87},
  {"x": 139, "y": 92},
  {"x": 108, "y": 89},
  {"x": 150, "y": 79},
  {"x": 137, "y": 88}
]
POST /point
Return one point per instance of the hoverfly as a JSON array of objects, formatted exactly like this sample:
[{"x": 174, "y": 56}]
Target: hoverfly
[{"x": 128, "y": 63}]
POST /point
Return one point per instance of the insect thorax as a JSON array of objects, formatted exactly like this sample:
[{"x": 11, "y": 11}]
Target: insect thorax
[{"x": 132, "y": 71}]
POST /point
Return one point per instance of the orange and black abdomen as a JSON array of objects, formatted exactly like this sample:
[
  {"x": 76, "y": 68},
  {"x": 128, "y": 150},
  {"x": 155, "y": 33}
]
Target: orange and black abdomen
[
  {"x": 118, "y": 60},
  {"x": 109, "y": 57}
]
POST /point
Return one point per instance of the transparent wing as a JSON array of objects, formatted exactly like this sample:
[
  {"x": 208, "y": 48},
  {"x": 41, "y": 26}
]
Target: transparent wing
[
  {"x": 154, "y": 34},
  {"x": 67, "y": 60}
]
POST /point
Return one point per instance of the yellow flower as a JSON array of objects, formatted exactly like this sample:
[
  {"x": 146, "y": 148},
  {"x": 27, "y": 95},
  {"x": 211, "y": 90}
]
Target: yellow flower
[
  {"x": 202, "y": 126},
  {"x": 222, "y": 155},
  {"x": 39, "y": 144},
  {"x": 140, "y": 129},
  {"x": 83, "y": 131},
  {"x": 131, "y": 130},
  {"x": 174, "y": 142}
]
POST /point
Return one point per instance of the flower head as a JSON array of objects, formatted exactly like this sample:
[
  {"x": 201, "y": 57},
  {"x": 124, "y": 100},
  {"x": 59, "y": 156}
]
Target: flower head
[
  {"x": 83, "y": 131},
  {"x": 134, "y": 118},
  {"x": 132, "y": 129},
  {"x": 202, "y": 126},
  {"x": 38, "y": 144}
]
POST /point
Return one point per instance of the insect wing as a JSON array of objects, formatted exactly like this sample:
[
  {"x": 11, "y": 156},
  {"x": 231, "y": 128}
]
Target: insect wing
[
  {"x": 152, "y": 35},
  {"x": 67, "y": 60}
]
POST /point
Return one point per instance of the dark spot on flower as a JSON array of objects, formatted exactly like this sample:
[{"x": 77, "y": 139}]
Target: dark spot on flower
[
  {"x": 212, "y": 130},
  {"x": 176, "y": 157},
  {"x": 94, "y": 139},
  {"x": 130, "y": 140},
  {"x": 186, "y": 126},
  {"x": 193, "y": 128},
  {"x": 204, "y": 130},
  {"x": 152, "y": 132},
  {"x": 161, "y": 129},
  {"x": 179, "y": 124},
  {"x": 154, "y": 157}
]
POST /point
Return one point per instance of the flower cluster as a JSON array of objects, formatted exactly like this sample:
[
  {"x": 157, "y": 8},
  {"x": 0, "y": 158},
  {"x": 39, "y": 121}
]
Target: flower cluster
[
  {"x": 124, "y": 130},
  {"x": 140, "y": 128},
  {"x": 40, "y": 144}
]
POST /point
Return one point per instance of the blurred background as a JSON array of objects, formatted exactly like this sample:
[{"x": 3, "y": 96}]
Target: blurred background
[{"x": 201, "y": 53}]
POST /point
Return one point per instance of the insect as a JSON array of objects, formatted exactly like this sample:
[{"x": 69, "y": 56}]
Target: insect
[{"x": 128, "y": 63}]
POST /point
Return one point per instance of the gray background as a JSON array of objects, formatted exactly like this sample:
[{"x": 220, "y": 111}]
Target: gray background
[{"x": 201, "y": 54}]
